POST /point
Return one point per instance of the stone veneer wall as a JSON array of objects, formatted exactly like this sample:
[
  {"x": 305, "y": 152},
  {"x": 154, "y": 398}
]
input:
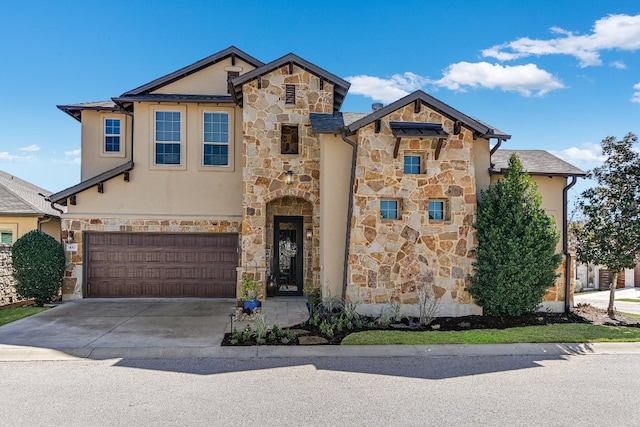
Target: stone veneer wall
[
  {"x": 8, "y": 293},
  {"x": 388, "y": 259},
  {"x": 72, "y": 282},
  {"x": 264, "y": 167}
]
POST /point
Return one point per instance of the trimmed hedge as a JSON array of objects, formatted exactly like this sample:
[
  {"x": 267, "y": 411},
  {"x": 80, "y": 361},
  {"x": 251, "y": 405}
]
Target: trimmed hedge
[{"x": 38, "y": 266}]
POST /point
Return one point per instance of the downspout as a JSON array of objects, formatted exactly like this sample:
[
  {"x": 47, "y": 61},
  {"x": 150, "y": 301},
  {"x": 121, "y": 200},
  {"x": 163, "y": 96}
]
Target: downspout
[
  {"x": 565, "y": 246},
  {"x": 352, "y": 180},
  {"x": 495, "y": 147}
]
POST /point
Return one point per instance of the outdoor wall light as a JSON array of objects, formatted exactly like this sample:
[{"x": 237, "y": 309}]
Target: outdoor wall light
[
  {"x": 70, "y": 236},
  {"x": 289, "y": 177},
  {"x": 309, "y": 233}
]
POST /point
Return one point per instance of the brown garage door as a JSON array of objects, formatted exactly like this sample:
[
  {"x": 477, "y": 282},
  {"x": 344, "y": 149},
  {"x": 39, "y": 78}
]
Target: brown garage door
[{"x": 161, "y": 265}]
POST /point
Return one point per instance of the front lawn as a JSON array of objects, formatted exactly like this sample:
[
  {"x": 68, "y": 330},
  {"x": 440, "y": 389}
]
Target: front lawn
[
  {"x": 8, "y": 315},
  {"x": 555, "y": 333}
]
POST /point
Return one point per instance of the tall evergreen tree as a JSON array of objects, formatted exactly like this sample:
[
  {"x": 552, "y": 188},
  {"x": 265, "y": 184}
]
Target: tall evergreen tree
[
  {"x": 609, "y": 233},
  {"x": 516, "y": 261}
]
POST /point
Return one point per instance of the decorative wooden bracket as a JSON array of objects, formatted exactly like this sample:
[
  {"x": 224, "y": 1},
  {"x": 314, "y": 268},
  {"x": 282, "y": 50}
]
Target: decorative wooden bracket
[
  {"x": 417, "y": 104},
  {"x": 321, "y": 84},
  {"x": 126, "y": 177},
  {"x": 439, "y": 147},
  {"x": 378, "y": 123},
  {"x": 457, "y": 127},
  {"x": 72, "y": 199},
  {"x": 290, "y": 67},
  {"x": 233, "y": 59},
  {"x": 100, "y": 187},
  {"x": 396, "y": 148},
  {"x": 259, "y": 83}
]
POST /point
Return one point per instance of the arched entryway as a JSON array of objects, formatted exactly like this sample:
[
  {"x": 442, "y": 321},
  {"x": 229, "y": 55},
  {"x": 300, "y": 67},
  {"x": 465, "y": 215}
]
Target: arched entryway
[{"x": 289, "y": 244}]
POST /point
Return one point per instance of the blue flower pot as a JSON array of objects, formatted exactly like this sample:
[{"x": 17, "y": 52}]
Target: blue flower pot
[{"x": 252, "y": 304}]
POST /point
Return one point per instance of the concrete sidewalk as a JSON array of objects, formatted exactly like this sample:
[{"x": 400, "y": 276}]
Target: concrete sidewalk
[{"x": 194, "y": 328}]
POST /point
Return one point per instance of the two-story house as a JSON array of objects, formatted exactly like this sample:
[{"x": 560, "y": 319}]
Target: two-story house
[{"x": 231, "y": 166}]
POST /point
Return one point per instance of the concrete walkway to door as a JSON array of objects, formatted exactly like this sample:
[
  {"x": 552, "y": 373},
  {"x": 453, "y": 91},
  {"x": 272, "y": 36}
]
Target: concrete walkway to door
[{"x": 153, "y": 327}]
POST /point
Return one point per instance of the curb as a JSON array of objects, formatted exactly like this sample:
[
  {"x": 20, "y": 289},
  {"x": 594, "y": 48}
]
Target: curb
[{"x": 15, "y": 354}]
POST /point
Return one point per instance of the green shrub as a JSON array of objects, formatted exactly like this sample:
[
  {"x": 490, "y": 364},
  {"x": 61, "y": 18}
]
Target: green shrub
[
  {"x": 38, "y": 266},
  {"x": 516, "y": 261}
]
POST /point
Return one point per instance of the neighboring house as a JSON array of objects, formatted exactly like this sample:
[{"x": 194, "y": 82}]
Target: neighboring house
[
  {"x": 23, "y": 208},
  {"x": 231, "y": 166}
]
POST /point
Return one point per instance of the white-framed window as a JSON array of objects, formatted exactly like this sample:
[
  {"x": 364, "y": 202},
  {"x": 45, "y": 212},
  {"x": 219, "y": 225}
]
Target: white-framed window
[
  {"x": 390, "y": 209},
  {"x": 215, "y": 138},
  {"x": 439, "y": 210},
  {"x": 168, "y": 137},
  {"x": 112, "y": 135}
]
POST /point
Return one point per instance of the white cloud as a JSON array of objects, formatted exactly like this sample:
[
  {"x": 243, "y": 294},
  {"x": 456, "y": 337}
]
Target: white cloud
[
  {"x": 619, "y": 65},
  {"x": 587, "y": 156},
  {"x": 72, "y": 153},
  {"x": 613, "y": 32},
  {"x": 5, "y": 156},
  {"x": 527, "y": 79},
  {"x": 386, "y": 90},
  {"x": 33, "y": 147},
  {"x": 636, "y": 94}
]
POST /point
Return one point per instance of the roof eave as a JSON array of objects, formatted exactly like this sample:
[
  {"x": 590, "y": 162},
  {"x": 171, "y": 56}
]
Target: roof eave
[
  {"x": 61, "y": 196},
  {"x": 193, "y": 68}
]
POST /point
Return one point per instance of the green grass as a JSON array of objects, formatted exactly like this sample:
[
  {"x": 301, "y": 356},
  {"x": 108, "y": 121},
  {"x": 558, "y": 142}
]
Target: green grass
[
  {"x": 628, "y": 299},
  {"x": 587, "y": 292},
  {"x": 565, "y": 333},
  {"x": 8, "y": 315},
  {"x": 632, "y": 315}
]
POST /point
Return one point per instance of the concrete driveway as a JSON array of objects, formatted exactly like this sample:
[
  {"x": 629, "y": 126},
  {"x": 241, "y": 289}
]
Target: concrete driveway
[
  {"x": 600, "y": 299},
  {"x": 122, "y": 326},
  {"x": 148, "y": 327}
]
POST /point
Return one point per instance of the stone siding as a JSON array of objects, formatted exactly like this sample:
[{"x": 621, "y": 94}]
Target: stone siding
[
  {"x": 8, "y": 293},
  {"x": 389, "y": 259},
  {"x": 72, "y": 282},
  {"x": 265, "y": 166}
]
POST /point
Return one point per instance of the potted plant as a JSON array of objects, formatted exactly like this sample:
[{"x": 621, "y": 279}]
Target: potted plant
[{"x": 250, "y": 292}]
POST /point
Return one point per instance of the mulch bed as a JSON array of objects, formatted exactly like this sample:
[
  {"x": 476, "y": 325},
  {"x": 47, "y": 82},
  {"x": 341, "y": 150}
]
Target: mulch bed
[{"x": 582, "y": 313}]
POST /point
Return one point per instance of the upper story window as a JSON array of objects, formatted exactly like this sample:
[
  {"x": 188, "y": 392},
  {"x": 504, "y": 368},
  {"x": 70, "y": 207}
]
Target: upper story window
[
  {"x": 6, "y": 237},
  {"x": 168, "y": 137},
  {"x": 290, "y": 94},
  {"x": 289, "y": 139},
  {"x": 390, "y": 209},
  {"x": 111, "y": 135},
  {"x": 216, "y": 139},
  {"x": 412, "y": 164}
]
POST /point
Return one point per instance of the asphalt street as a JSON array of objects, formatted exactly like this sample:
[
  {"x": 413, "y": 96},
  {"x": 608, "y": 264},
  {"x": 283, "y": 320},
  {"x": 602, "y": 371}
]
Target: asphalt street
[{"x": 524, "y": 390}]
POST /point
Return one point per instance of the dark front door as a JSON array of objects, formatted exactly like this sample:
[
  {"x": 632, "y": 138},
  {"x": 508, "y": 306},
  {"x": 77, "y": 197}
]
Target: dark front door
[{"x": 288, "y": 257}]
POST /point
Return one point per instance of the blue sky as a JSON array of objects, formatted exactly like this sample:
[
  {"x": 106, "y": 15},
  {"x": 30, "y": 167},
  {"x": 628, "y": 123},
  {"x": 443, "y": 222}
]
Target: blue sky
[{"x": 556, "y": 75}]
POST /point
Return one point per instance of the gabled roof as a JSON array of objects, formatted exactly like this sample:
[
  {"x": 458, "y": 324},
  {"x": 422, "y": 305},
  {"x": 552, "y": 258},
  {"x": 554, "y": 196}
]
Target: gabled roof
[
  {"x": 21, "y": 198},
  {"x": 61, "y": 196},
  {"x": 340, "y": 86},
  {"x": 231, "y": 51},
  {"x": 482, "y": 129},
  {"x": 75, "y": 110},
  {"x": 535, "y": 162}
]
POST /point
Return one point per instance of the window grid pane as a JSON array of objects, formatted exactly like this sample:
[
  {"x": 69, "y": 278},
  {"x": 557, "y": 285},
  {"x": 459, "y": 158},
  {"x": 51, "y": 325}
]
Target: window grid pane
[
  {"x": 436, "y": 210},
  {"x": 6, "y": 237},
  {"x": 216, "y": 127},
  {"x": 216, "y": 155},
  {"x": 412, "y": 164},
  {"x": 167, "y": 154},
  {"x": 389, "y": 209},
  {"x": 168, "y": 126}
]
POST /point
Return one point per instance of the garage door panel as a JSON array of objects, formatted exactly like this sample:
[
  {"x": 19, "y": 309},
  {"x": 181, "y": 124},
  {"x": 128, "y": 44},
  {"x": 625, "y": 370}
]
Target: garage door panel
[{"x": 161, "y": 265}]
